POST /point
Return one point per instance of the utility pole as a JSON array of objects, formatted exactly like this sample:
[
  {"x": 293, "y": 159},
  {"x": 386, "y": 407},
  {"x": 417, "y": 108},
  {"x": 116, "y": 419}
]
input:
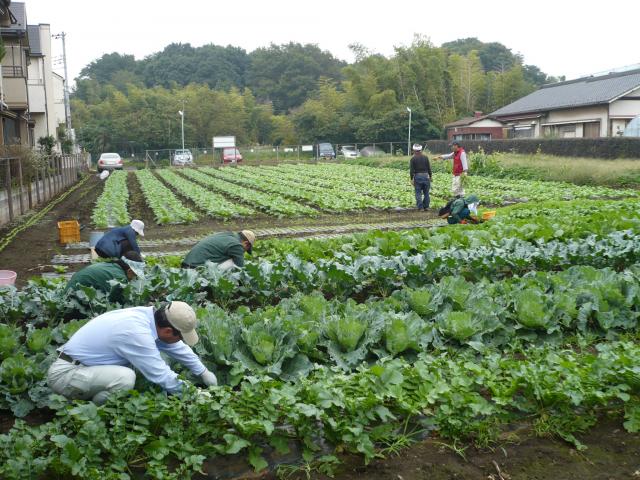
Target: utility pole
[{"x": 67, "y": 106}]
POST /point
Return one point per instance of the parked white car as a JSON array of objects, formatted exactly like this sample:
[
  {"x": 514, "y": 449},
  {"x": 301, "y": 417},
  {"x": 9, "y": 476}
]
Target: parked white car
[
  {"x": 110, "y": 161},
  {"x": 183, "y": 157},
  {"x": 349, "y": 151}
]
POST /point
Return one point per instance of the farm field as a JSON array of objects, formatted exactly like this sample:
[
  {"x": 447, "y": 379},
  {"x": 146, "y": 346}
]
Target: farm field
[
  {"x": 184, "y": 196},
  {"x": 448, "y": 343}
]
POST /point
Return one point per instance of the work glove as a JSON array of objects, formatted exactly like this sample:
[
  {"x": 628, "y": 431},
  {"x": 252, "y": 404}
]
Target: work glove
[{"x": 209, "y": 379}]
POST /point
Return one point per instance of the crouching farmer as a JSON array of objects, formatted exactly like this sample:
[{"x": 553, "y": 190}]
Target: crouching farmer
[
  {"x": 458, "y": 211},
  {"x": 99, "y": 275},
  {"x": 98, "y": 359},
  {"x": 226, "y": 249}
]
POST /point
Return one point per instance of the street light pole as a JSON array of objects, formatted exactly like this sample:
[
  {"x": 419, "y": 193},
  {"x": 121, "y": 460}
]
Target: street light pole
[
  {"x": 181, "y": 112},
  {"x": 409, "y": 137}
]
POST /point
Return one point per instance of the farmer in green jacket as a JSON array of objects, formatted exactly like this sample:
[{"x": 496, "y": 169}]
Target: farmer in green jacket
[
  {"x": 225, "y": 248},
  {"x": 98, "y": 275}
]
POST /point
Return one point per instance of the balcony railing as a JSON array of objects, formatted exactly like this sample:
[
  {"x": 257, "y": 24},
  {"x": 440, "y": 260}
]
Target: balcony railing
[{"x": 12, "y": 71}]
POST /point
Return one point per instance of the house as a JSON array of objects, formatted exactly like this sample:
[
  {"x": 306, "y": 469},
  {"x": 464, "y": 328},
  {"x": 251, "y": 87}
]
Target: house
[
  {"x": 588, "y": 107},
  {"x": 16, "y": 126},
  {"x": 29, "y": 89},
  {"x": 45, "y": 88},
  {"x": 478, "y": 127}
]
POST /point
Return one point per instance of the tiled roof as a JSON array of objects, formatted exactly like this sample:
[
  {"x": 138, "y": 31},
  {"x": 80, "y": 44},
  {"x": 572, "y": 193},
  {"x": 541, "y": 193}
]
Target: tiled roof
[
  {"x": 575, "y": 93},
  {"x": 19, "y": 11},
  {"x": 466, "y": 121}
]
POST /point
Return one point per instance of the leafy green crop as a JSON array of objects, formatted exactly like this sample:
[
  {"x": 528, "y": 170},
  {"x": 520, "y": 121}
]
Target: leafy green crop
[{"x": 460, "y": 325}]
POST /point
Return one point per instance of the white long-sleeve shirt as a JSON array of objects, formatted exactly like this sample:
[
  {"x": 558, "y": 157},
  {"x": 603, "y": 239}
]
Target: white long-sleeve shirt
[
  {"x": 463, "y": 159},
  {"x": 129, "y": 337}
]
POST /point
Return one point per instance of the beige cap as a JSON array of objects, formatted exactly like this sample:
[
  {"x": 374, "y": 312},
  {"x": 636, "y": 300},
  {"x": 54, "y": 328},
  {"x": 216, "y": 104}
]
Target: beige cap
[
  {"x": 138, "y": 227},
  {"x": 250, "y": 236},
  {"x": 182, "y": 317}
]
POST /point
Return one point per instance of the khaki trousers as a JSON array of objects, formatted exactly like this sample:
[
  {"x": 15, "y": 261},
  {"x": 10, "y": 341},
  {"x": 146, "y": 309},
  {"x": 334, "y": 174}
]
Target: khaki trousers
[
  {"x": 456, "y": 186},
  {"x": 84, "y": 383}
]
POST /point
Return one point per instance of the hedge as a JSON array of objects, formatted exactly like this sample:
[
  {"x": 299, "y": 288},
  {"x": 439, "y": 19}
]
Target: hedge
[{"x": 610, "y": 148}]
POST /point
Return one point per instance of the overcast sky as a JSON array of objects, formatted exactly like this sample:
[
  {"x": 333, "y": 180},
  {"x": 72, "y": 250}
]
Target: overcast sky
[{"x": 561, "y": 38}]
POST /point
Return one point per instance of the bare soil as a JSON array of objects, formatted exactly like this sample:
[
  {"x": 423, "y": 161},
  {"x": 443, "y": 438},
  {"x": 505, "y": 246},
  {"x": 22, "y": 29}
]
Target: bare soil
[{"x": 611, "y": 454}]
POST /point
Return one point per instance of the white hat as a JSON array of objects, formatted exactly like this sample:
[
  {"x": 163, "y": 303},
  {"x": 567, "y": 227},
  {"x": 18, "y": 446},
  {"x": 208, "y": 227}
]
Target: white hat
[
  {"x": 136, "y": 267},
  {"x": 182, "y": 317},
  {"x": 417, "y": 147},
  {"x": 138, "y": 227}
]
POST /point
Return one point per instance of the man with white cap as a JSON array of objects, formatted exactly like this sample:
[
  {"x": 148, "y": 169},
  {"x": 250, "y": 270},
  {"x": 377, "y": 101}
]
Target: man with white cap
[
  {"x": 97, "y": 359},
  {"x": 224, "y": 248},
  {"x": 421, "y": 177},
  {"x": 118, "y": 241}
]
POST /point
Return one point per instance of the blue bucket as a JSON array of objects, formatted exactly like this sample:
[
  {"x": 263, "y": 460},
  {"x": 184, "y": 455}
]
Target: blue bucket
[{"x": 94, "y": 237}]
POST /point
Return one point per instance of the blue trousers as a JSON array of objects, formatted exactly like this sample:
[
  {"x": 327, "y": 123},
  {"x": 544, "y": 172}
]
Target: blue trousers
[{"x": 422, "y": 185}]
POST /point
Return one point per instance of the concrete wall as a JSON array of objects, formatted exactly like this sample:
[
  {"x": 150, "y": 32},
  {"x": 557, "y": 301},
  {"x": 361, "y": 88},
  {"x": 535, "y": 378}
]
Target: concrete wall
[{"x": 48, "y": 188}]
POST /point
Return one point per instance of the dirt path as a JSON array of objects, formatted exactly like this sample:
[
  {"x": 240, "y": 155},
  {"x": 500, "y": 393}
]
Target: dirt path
[
  {"x": 612, "y": 454},
  {"x": 30, "y": 252}
]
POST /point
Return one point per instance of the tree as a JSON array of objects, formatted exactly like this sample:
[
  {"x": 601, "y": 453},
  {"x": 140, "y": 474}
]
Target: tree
[
  {"x": 286, "y": 75},
  {"x": 103, "y": 69},
  {"x": 47, "y": 143}
]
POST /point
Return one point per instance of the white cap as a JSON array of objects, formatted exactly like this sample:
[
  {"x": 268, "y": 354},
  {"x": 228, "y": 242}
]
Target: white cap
[
  {"x": 138, "y": 227},
  {"x": 417, "y": 147},
  {"x": 182, "y": 317}
]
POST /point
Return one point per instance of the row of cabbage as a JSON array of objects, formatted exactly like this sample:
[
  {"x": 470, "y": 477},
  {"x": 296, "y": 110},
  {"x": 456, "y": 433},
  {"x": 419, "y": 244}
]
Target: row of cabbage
[
  {"x": 111, "y": 207},
  {"x": 166, "y": 207},
  {"x": 362, "y": 277},
  {"x": 213, "y": 204},
  {"x": 286, "y": 339},
  {"x": 271, "y": 204}
]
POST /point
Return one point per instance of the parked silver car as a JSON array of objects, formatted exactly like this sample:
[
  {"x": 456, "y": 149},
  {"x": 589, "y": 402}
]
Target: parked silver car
[
  {"x": 110, "y": 161},
  {"x": 349, "y": 151},
  {"x": 183, "y": 157}
]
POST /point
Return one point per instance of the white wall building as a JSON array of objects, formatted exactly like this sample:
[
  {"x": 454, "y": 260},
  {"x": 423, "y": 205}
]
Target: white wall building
[{"x": 43, "y": 83}]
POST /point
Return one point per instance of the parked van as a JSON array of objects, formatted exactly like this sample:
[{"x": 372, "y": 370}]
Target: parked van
[
  {"x": 231, "y": 155},
  {"x": 325, "y": 150}
]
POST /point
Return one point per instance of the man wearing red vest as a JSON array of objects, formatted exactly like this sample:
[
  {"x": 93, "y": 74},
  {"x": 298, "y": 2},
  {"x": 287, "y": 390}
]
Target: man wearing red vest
[{"x": 459, "y": 167}]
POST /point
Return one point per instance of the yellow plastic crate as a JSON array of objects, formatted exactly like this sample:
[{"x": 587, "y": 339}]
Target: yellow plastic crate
[
  {"x": 488, "y": 215},
  {"x": 69, "y": 231}
]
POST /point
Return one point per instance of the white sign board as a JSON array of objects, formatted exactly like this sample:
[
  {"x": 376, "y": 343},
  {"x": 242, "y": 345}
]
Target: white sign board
[
  {"x": 223, "y": 142},
  {"x": 307, "y": 148}
]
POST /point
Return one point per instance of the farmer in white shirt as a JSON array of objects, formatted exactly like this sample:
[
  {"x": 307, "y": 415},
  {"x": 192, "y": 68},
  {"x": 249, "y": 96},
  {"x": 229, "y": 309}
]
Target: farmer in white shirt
[
  {"x": 97, "y": 359},
  {"x": 459, "y": 167}
]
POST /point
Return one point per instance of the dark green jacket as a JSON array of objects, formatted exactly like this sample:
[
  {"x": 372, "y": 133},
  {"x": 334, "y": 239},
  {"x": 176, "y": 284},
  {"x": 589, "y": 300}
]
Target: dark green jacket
[
  {"x": 97, "y": 275},
  {"x": 216, "y": 248}
]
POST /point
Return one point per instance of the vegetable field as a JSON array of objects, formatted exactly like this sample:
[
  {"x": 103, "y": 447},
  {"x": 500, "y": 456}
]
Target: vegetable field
[
  {"x": 359, "y": 344},
  {"x": 307, "y": 190}
]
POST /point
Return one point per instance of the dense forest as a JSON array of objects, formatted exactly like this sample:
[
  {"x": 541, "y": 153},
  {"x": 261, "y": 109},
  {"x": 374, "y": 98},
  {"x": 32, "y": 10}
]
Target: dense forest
[{"x": 291, "y": 94}]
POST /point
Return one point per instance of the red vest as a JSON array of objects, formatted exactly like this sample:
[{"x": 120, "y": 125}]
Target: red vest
[{"x": 457, "y": 162}]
